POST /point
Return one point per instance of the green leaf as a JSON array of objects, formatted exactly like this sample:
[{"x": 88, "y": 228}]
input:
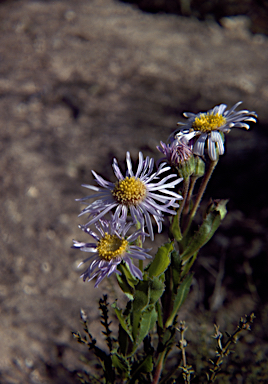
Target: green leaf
[
  {"x": 145, "y": 366},
  {"x": 215, "y": 214},
  {"x": 141, "y": 296},
  {"x": 176, "y": 268},
  {"x": 159, "y": 314},
  {"x": 120, "y": 362},
  {"x": 157, "y": 287},
  {"x": 161, "y": 260},
  {"x": 188, "y": 264},
  {"x": 124, "y": 341},
  {"x": 126, "y": 281},
  {"x": 140, "y": 303},
  {"x": 123, "y": 320},
  {"x": 167, "y": 339},
  {"x": 175, "y": 228},
  {"x": 124, "y": 269},
  {"x": 128, "y": 291},
  {"x": 143, "y": 311},
  {"x": 179, "y": 299},
  {"x": 147, "y": 323}
]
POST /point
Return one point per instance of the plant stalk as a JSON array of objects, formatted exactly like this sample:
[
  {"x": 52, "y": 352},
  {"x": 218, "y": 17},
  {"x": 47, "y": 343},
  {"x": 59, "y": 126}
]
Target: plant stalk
[
  {"x": 200, "y": 194},
  {"x": 159, "y": 368}
]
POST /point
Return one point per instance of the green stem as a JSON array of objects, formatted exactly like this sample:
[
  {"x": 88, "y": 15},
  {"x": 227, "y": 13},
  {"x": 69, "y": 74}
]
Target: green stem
[
  {"x": 200, "y": 194},
  {"x": 139, "y": 244},
  {"x": 189, "y": 196},
  {"x": 185, "y": 197}
]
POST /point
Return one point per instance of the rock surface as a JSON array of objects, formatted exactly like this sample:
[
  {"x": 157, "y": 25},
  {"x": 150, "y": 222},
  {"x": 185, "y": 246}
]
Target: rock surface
[{"x": 84, "y": 81}]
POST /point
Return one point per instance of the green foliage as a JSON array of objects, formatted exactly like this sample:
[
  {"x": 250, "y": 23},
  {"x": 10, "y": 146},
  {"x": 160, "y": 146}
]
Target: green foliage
[
  {"x": 181, "y": 294},
  {"x": 175, "y": 228},
  {"x": 161, "y": 260},
  {"x": 148, "y": 325},
  {"x": 215, "y": 214},
  {"x": 144, "y": 314},
  {"x": 126, "y": 281},
  {"x": 153, "y": 306},
  {"x": 123, "y": 320}
]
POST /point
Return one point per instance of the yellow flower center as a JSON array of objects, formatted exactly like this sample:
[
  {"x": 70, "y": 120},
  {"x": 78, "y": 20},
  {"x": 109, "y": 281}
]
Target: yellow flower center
[
  {"x": 208, "y": 122},
  {"x": 130, "y": 191},
  {"x": 110, "y": 246}
]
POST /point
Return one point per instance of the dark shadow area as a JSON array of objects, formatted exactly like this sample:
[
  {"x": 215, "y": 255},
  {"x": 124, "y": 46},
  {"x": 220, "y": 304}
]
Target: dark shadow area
[{"x": 255, "y": 10}]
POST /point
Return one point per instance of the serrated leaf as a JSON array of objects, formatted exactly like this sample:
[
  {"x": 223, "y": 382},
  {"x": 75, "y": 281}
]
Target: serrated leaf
[
  {"x": 126, "y": 288},
  {"x": 175, "y": 228},
  {"x": 128, "y": 291},
  {"x": 145, "y": 366},
  {"x": 161, "y": 260},
  {"x": 148, "y": 321},
  {"x": 123, "y": 321},
  {"x": 146, "y": 294},
  {"x": 179, "y": 298},
  {"x": 126, "y": 281},
  {"x": 124, "y": 341},
  {"x": 215, "y": 215},
  {"x": 146, "y": 324},
  {"x": 124, "y": 269},
  {"x": 168, "y": 338},
  {"x": 141, "y": 296},
  {"x": 140, "y": 302},
  {"x": 120, "y": 362}
]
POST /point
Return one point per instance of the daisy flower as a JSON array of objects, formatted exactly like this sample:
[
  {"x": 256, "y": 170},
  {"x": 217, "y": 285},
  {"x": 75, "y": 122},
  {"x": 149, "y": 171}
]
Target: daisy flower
[
  {"x": 143, "y": 194},
  {"x": 211, "y": 125},
  {"x": 111, "y": 248}
]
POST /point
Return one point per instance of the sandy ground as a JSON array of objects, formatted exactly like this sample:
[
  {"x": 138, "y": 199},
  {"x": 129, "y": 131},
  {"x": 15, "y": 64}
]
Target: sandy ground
[{"x": 84, "y": 81}]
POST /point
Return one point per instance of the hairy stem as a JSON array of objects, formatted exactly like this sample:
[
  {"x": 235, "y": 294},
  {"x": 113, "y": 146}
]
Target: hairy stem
[
  {"x": 139, "y": 244},
  {"x": 189, "y": 196},
  {"x": 200, "y": 194},
  {"x": 159, "y": 368},
  {"x": 185, "y": 198}
]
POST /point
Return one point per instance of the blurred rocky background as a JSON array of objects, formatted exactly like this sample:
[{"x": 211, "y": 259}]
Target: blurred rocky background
[{"x": 82, "y": 81}]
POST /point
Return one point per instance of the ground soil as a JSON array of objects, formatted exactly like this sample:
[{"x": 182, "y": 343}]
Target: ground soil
[{"x": 81, "y": 82}]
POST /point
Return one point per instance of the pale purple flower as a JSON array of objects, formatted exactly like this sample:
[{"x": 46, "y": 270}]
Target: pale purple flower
[
  {"x": 210, "y": 126},
  {"x": 143, "y": 194},
  {"x": 110, "y": 249},
  {"x": 176, "y": 153}
]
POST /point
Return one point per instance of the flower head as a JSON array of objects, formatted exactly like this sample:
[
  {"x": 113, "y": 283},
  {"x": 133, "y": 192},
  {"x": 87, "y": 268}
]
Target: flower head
[
  {"x": 111, "y": 248},
  {"x": 142, "y": 194},
  {"x": 175, "y": 153},
  {"x": 211, "y": 125}
]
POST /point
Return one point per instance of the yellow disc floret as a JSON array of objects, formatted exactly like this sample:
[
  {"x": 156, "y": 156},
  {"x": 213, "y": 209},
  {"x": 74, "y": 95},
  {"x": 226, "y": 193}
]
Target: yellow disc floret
[
  {"x": 207, "y": 122},
  {"x": 110, "y": 246},
  {"x": 130, "y": 191}
]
